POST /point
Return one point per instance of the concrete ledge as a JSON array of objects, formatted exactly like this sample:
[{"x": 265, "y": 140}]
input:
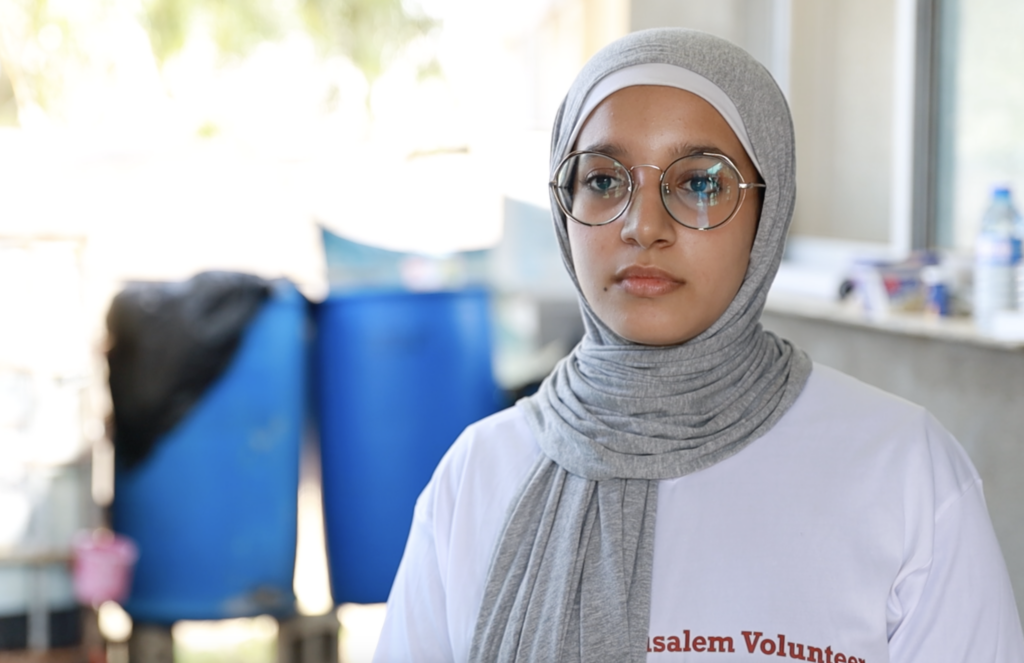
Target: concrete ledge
[{"x": 908, "y": 324}]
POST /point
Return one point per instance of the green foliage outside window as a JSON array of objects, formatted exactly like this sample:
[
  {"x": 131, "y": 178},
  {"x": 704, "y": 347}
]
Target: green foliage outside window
[
  {"x": 369, "y": 32},
  {"x": 39, "y": 49},
  {"x": 236, "y": 26}
]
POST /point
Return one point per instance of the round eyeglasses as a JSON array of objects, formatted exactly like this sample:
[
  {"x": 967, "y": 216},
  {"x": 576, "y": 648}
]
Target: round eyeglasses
[{"x": 700, "y": 191}]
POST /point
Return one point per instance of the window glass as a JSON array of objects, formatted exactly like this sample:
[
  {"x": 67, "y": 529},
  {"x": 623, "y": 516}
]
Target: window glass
[
  {"x": 988, "y": 140},
  {"x": 842, "y": 77}
]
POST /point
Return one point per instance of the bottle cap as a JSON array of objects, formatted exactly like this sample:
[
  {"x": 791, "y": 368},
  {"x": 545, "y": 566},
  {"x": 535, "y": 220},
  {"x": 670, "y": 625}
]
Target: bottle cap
[{"x": 1001, "y": 191}]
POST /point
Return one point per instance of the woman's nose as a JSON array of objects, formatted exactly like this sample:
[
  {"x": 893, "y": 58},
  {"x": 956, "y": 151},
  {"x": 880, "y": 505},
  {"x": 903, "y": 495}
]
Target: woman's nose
[{"x": 647, "y": 223}]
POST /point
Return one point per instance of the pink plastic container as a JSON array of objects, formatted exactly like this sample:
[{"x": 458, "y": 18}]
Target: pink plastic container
[{"x": 103, "y": 565}]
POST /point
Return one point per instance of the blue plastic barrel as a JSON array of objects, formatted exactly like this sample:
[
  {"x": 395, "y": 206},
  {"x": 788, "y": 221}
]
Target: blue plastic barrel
[
  {"x": 400, "y": 375},
  {"x": 213, "y": 509}
]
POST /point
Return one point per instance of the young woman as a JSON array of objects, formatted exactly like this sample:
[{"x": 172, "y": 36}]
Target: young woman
[{"x": 687, "y": 486}]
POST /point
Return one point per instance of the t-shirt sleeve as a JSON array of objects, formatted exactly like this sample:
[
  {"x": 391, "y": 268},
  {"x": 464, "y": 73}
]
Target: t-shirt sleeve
[
  {"x": 415, "y": 625},
  {"x": 957, "y": 604},
  {"x": 435, "y": 599}
]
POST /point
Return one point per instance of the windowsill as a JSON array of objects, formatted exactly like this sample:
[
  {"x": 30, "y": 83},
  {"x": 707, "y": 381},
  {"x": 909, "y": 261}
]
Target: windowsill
[{"x": 960, "y": 330}]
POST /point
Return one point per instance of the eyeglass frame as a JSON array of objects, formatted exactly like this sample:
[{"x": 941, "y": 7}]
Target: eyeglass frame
[{"x": 741, "y": 185}]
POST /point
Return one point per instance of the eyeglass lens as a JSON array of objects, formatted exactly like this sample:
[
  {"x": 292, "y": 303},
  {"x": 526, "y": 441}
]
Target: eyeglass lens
[{"x": 699, "y": 191}]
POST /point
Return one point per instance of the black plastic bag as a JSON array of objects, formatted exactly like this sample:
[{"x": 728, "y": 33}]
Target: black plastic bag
[{"x": 168, "y": 343}]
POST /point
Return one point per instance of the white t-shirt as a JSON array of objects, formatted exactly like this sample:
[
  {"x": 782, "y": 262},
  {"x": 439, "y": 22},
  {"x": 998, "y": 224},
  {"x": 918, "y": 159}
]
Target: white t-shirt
[{"x": 855, "y": 530}]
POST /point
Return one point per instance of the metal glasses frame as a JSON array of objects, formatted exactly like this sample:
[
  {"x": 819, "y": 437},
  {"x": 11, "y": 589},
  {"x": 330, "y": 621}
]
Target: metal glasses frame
[{"x": 743, "y": 186}]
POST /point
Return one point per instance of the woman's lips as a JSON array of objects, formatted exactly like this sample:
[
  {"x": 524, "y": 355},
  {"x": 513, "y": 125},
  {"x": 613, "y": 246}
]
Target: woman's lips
[{"x": 647, "y": 281}]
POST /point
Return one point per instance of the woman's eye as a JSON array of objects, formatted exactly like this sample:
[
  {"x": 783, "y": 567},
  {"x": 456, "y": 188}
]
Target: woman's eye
[
  {"x": 603, "y": 183},
  {"x": 701, "y": 184}
]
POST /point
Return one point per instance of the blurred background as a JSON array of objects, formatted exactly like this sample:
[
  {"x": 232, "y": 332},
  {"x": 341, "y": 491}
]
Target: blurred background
[{"x": 380, "y": 167}]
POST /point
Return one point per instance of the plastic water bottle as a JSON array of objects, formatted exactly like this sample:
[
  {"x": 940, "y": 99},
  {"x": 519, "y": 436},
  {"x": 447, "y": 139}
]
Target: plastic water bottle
[{"x": 997, "y": 260}]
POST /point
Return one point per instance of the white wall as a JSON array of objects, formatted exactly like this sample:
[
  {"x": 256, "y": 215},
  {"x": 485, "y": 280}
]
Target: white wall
[{"x": 842, "y": 102}]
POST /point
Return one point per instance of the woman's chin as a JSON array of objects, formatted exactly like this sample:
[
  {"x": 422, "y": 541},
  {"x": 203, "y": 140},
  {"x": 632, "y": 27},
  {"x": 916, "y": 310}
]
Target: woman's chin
[{"x": 656, "y": 335}]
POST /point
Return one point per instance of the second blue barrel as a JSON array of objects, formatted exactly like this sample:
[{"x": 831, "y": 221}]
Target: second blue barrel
[{"x": 400, "y": 375}]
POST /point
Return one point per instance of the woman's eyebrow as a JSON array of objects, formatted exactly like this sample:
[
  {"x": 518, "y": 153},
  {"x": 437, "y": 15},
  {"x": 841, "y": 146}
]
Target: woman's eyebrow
[
  {"x": 688, "y": 149},
  {"x": 611, "y": 149}
]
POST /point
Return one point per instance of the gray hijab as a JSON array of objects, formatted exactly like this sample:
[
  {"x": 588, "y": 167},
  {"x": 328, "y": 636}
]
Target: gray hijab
[{"x": 570, "y": 579}]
